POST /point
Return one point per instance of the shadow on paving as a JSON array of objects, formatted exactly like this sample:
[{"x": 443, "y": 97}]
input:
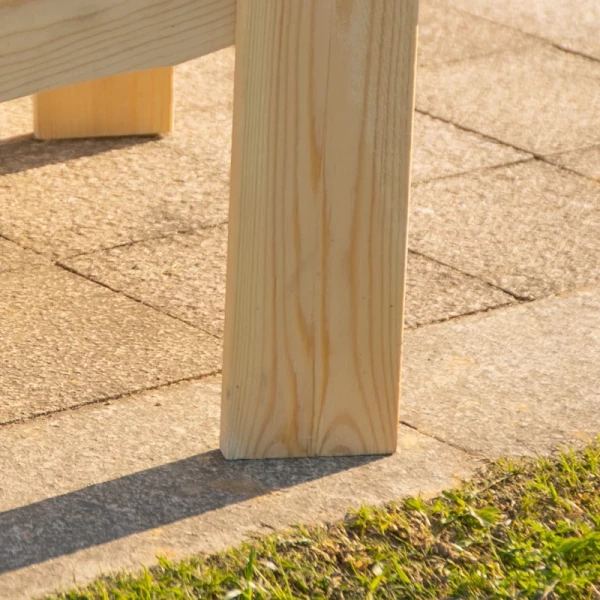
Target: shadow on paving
[
  {"x": 152, "y": 498},
  {"x": 23, "y": 153}
]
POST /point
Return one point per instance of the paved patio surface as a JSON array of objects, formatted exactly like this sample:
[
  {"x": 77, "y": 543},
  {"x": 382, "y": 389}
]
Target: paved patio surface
[{"x": 112, "y": 279}]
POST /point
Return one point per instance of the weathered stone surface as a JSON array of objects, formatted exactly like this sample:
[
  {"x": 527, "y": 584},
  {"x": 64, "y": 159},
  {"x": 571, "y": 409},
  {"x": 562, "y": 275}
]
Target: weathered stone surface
[
  {"x": 13, "y": 256},
  {"x": 437, "y": 293},
  {"x": 573, "y": 25},
  {"x": 16, "y": 119},
  {"x": 539, "y": 99},
  {"x": 139, "y": 189},
  {"x": 206, "y": 82},
  {"x": 521, "y": 380},
  {"x": 185, "y": 276},
  {"x": 530, "y": 228},
  {"x": 73, "y": 196},
  {"x": 441, "y": 149},
  {"x": 585, "y": 162},
  {"x": 112, "y": 486},
  {"x": 66, "y": 341},
  {"x": 447, "y": 35}
]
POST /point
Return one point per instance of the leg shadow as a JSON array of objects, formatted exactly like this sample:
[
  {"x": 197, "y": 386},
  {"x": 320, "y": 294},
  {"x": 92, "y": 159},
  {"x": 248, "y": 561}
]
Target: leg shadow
[
  {"x": 152, "y": 498},
  {"x": 23, "y": 153}
]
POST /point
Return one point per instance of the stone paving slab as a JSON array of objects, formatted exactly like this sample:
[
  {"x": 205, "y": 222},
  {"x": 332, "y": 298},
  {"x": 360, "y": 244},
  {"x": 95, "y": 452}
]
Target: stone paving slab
[
  {"x": 531, "y": 228},
  {"x": 435, "y": 292},
  {"x": 138, "y": 191},
  {"x": 203, "y": 126},
  {"x": 66, "y": 341},
  {"x": 540, "y": 99},
  {"x": 14, "y": 257},
  {"x": 586, "y": 162},
  {"x": 184, "y": 275},
  {"x": 517, "y": 381},
  {"x": 447, "y": 35},
  {"x": 572, "y": 25},
  {"x": 205, "y": 83},
  {"x": 441, "y": 149},
  {"x": 77, "y": 196},
  {"x": 111, "y": 486},
  {"x": 65, "y": 198},
  {"x": 16, "y": 118}
]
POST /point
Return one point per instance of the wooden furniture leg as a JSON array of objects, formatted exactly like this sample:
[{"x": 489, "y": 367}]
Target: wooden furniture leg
[
  {"x": 318, "y": 226},
  {"x": 139, "y": 103}
]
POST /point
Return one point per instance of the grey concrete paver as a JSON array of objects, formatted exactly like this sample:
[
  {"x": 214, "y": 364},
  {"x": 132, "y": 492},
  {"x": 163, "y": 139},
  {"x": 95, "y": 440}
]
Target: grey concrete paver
[
  {"x": 586, "y": 161},
  {"x": 435, "y": 293},
  {"x": 521, "y": 380},
  {"x": 111, "y": 486},
  {"x": 16, "y": 119},
  {"x": 204, "y": 110},
  {"x": 14, "y": 257},
  {"x": 185, "y": 276},
  {"x": 205, "y": 83},
  {"x": 447, "y": 35},
  {"x": 66, "y": 341},
  {"x": 441, "y": 149},
  {"x": 572, "y": 25},
  {"x": 531, "y": 228},
  {"x": 203, "y": 124},
  {"x": 137, "y": 191},
  {"x": 540, "y": 99},
  {"x": 430, "y": 9}
]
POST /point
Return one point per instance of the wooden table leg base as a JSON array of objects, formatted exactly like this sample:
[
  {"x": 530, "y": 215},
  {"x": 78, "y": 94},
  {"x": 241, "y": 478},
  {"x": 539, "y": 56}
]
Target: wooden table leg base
[
  {"x": 139, "y": 103},
  {"x": 318, "y": 227}
]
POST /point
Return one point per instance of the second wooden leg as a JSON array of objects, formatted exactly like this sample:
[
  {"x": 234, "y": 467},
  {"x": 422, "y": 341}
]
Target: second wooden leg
[
  {"x": 139, "y": 103},
  {"x": 318, "y": 224}
]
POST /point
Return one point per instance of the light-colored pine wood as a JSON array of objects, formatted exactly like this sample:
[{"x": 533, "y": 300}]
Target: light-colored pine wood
[
  {"x": 317, "y": 231},
  {"x": 137, "y": 103},
  {"x": 46, "y": 44}
]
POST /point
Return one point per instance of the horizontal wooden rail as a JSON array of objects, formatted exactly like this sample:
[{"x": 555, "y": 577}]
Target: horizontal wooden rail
[{"x": 45, "y": 44}]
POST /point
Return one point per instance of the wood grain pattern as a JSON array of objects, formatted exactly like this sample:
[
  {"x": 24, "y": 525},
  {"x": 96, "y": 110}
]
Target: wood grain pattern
[
  {"x": 46, "y": 44},
  {"x": 317, "y": 233},
  {"x": 137, "y": 103}
]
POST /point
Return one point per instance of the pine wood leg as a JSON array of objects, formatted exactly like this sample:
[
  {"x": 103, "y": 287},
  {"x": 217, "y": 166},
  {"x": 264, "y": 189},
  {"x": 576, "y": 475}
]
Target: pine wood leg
[
  {"x": 318, "y": 227},
  {"x": 139, "y": 103}
]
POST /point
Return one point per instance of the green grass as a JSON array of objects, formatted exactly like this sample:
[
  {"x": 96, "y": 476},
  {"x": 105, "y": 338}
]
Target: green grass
[{"x": 523, "y": 529}]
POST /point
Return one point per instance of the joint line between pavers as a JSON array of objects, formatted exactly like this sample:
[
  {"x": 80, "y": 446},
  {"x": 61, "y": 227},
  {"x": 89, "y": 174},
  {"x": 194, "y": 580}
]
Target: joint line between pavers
[
  {"x": 521, "y": 299},
  {"x": 510, "y": 163},
  {"x": 535, "y": 36},
  {"x": 574, "y": 52},
  {"x": 483, "y": 135},
  {"x": 139, "y": 301},
  {"x": 166, "y": 236},
  {"x": 106, "y": 399},
  {"x": 566, "y": 169},
  {"x": 470, "y": 313},
  {"x": 444, "y": 441}
]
